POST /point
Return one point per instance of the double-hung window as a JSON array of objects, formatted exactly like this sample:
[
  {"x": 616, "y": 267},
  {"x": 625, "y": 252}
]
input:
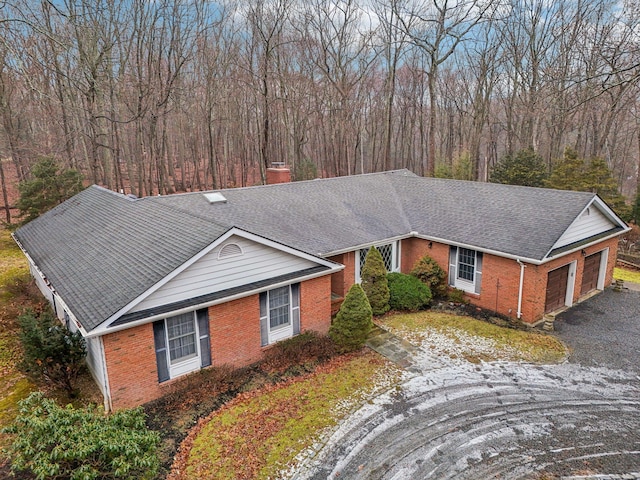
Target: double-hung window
[
  {"x": 182, "y": 344},
  {"x": 389, "y": 252},
  {"x": 279, "y": 313},
  {"x": 465, "y": 269}
]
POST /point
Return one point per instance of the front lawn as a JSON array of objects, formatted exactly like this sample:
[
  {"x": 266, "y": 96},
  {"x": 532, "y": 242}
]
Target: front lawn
[
  {"x": 259, "y": 433},
  {"x": 474, "y": 340},
  {"x": 627, "y": 275}
]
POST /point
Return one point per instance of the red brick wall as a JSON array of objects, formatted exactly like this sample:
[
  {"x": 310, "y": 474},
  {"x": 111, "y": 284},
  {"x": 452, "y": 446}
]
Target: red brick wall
[
  {"x": 235, "y": 340},
  {"x": 235, "y": 332},
  {"x": 131, "y": 363},
  {"x": 315, "y": 305},
  {"x": 501, "y": 276},
  {"x": 413, "y": 249},
  {"x": 341, "y": 281}
]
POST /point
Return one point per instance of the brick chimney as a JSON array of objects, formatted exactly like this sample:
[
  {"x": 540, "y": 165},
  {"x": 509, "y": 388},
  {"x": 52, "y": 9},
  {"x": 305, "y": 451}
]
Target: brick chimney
[{"x": 278, "y": 173}]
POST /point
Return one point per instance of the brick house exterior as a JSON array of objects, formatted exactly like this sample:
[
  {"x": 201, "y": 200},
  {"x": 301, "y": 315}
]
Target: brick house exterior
[{"x": 164, "y": 286}]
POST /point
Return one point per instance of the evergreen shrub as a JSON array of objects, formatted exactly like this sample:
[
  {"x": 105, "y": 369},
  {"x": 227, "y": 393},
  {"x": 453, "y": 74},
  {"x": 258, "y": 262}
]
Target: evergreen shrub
[
  {"x": 353, "y": 322},
  {"x": 374, "y": 282},
  {"x": 407, "y": 292}
]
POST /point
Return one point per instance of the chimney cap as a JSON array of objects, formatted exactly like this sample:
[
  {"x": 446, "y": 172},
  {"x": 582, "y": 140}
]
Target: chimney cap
[{"x": 278, "y": 165}]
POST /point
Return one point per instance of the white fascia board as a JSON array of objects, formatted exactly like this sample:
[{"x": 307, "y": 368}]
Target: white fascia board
[
  {"x": 103, "y": 329},
  {"x": 606, "y": 211},
  {"x": 72, "y": 316},
  {"x": 223, "y": 238}
]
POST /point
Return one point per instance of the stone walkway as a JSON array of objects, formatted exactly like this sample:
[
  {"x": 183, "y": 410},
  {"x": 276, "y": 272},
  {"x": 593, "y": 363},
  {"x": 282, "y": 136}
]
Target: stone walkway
[{"x": 399, "y": 351}]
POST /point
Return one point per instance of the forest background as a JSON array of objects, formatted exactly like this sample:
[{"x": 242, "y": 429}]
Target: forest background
[{"x": 154, "y": 97}]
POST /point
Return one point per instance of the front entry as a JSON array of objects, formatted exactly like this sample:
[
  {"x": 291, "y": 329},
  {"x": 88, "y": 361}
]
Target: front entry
[
  {"x": 556, "y": 288},
  {"x": 590, "y": 273}
]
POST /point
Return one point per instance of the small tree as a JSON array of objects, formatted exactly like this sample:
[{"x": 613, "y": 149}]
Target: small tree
[
  {"x": 432, "y": 275},
  {"x": 48, "y": 186},
  {"x": 50, "y": 350},
  {"x": 55, "y": 442},
  {"x": 374, "y": 282},
  {"x": 524, "y": 168},
  {"x": 353, "y": 322},
  {"x": 568, "y": 172}
]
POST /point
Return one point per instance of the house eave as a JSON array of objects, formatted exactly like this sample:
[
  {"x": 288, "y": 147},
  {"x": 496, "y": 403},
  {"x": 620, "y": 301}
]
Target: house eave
[
  {"x": 113, "y": 326},
  {"x": 585, "y": 243}
]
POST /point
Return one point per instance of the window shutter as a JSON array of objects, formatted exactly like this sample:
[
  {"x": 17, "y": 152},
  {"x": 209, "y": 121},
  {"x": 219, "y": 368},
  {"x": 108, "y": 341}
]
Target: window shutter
[
  {"x": 264, "y": 320},
  {"x": 161, "y": 351},
  {"x": 205, "y": 344},
  {"x": 295, "y": 307},
  {"x": 453, "y": 254},
  {"x": 478, "y": 272}
]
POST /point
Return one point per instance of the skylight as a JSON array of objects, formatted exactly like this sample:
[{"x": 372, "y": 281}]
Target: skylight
[{"x": 215, "y": 197}]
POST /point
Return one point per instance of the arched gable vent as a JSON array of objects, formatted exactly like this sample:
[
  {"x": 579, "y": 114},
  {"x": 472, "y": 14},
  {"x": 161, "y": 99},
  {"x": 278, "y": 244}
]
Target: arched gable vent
[{"x": 229, "y": 250}]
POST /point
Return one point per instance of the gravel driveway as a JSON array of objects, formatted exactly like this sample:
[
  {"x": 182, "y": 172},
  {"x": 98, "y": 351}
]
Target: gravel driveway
[
  {"x": 604, "y": 330},
  {"x": 505, "y": 420}
]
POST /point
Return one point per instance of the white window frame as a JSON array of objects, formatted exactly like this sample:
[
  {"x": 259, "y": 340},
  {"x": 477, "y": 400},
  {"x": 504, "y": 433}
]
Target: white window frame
[
  {"x": 189, "y": 364},
  {"x": 395, "y": 257},
  {"x": 285, "y": 330},
  {"x": 462, "y": 283}
]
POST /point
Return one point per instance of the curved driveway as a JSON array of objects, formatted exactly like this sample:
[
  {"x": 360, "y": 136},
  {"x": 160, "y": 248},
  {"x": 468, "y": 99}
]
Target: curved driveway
[{"x": 506, "y": 420}]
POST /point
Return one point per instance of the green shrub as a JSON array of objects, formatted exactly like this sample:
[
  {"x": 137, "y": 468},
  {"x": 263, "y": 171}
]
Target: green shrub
[
  {"x": 56, "y": 442},
  {"x": 430, "y": 273},
  {"x": 374, "y": 282},
  {"x": 353, "y": 322},
  {"x": 457, "y": 296},
  {"x": 50, "y": 350},
  {"x": 407, "y": 292}
]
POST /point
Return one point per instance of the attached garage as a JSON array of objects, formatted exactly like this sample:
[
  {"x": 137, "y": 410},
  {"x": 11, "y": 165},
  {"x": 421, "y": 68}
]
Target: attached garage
[
  {"x": 557, "y": 281},
  {"x": 591, "y": 273}
]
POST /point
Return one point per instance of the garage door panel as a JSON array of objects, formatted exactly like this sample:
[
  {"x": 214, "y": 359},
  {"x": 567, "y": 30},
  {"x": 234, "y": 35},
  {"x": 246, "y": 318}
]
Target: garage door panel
[
  {"x": 556, "y": 288},
  {"x": 590, "y": 273}
]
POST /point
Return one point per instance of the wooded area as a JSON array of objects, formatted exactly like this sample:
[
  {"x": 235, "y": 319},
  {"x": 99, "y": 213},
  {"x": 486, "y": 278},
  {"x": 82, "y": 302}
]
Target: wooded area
[{"x": 150, "y": 97}]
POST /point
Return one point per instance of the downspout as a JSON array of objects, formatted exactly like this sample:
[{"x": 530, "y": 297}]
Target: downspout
[{"x": 519, "y": 314}]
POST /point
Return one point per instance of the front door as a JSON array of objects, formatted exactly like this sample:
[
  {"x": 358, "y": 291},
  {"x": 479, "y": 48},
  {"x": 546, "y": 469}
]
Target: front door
[
  {"x": 590, "y": 273},
  {"x": 556, "y": 288}
]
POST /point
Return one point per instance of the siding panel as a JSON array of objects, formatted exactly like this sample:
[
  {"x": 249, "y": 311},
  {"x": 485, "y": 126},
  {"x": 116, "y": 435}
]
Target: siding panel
[
  {"x": 94, "y": 361},
  {"x": 585, "y": 226},
  {"x": 210, "y": 274}
]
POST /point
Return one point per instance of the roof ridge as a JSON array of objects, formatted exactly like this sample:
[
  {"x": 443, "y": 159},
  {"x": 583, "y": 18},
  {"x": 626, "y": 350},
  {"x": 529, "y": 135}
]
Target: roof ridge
[{"x": 298, "y": 182}]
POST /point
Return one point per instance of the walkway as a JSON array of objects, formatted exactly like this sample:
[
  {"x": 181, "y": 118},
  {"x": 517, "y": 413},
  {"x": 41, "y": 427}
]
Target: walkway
[{"x": 394, "y": 348}]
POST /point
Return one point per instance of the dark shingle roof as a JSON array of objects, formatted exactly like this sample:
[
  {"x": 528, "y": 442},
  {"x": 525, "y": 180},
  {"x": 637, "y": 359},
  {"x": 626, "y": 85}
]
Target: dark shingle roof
[{"x": 101, "y": 250}]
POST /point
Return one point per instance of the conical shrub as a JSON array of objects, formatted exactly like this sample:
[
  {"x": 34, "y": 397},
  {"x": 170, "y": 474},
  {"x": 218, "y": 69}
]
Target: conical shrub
[
  {"x": 374, "y": 282},
  {"x": 353, "y": 322}
]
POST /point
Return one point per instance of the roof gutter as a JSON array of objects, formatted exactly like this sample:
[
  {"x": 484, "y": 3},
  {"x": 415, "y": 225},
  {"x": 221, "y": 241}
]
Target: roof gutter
[{"x": 103, "y": 330}]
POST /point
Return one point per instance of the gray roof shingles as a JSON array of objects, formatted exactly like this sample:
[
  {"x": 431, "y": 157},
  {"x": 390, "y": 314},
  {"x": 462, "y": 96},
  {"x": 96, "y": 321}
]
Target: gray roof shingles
[{"x": 101, "y": 250}]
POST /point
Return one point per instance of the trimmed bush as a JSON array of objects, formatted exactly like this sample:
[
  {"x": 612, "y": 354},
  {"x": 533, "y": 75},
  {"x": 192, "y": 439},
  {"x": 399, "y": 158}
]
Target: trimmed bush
[
  {"x": 374, "y": 282},
  {"x": 50, "y": 350},
  {"x": 407, "y": 292},
  {"x": 55, "y": 442},
  {"x": 353, "y": 322},
  {"x": 430, "y": 273}
]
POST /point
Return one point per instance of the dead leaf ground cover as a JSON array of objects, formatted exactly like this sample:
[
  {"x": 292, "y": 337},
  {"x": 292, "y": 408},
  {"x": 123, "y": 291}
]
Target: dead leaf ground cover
[
  {"x": 505, "y": 343},
  {"x": 258, "y": 433}
]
